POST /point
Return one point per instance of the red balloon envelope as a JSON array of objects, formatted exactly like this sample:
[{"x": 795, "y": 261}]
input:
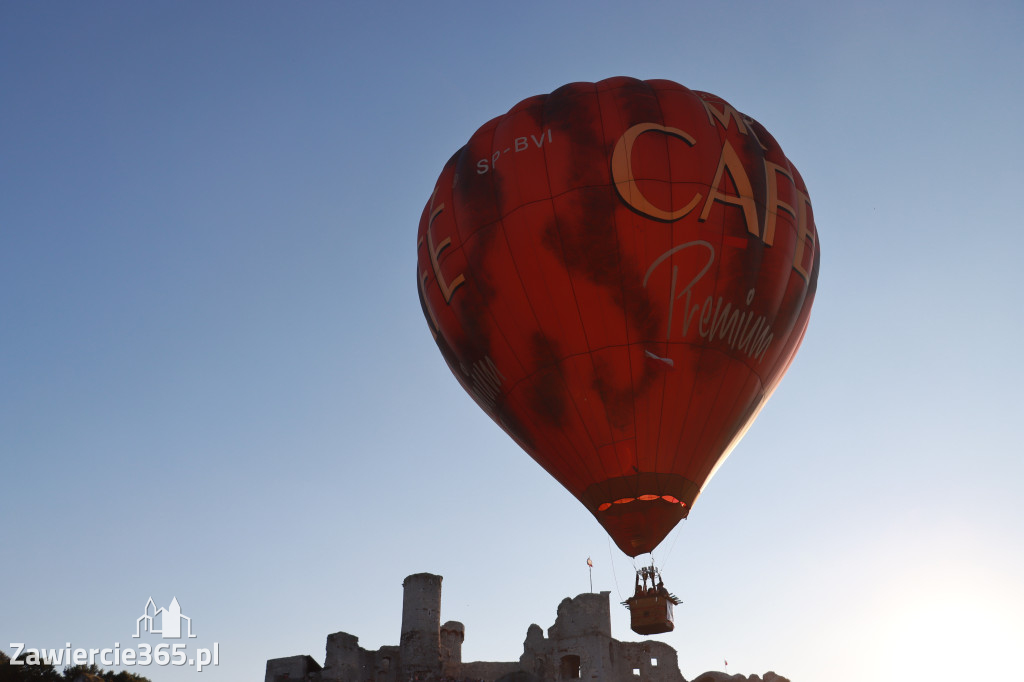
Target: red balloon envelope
[{"x": 619, "y": 273}]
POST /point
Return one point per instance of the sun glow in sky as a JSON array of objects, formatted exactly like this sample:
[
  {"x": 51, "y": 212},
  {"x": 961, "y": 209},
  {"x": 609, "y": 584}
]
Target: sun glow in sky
[
  {"x": 945, "y": 615},
  {"x": 216, "y": 382},
  {"x": 948, "y": 635}
]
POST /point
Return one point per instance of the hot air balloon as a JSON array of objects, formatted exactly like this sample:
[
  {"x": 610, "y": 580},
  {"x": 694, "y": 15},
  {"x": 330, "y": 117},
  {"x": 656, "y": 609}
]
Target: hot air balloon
[{"x": 619, "y": 273}]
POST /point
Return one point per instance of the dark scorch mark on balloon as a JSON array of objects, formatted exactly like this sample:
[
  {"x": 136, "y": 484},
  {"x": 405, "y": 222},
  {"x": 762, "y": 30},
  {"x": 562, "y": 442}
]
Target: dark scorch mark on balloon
[
  {"x": 534, "y": 108},
  {"x": 742, "y": 271},
  {"x": 473, "y": 202},
  {"x": 476, "y": 195},
  {"x": 573, "y": 114},
  {"x": 547, "y": 394},
  {"x": 639, "y": 102},
  {"x": 586, "y": 240}
]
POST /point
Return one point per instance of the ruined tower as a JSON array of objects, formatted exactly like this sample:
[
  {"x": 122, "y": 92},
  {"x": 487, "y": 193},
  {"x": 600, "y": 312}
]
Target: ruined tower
[
  {"x": 453, "y": 633},
  {"x": 420, "y": 645},
  {"x": 342, "y": 662}
]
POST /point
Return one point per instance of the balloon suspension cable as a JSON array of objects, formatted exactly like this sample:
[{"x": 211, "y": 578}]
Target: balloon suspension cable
[
  {"x": 678, "y": 531},
  {"x": 651, "y": 568},
  {"x": 611, "y": 560}
]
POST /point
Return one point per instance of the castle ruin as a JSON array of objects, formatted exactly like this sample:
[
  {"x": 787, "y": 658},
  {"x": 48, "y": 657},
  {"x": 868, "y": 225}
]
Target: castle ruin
[{"x": 579, "y": 646}]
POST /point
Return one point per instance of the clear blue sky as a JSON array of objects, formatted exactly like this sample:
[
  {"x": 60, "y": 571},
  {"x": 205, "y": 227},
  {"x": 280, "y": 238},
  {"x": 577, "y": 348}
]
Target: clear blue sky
[{"x": 216, "y": 383}]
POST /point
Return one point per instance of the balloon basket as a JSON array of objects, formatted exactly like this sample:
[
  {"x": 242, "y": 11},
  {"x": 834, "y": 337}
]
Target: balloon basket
[
  {"x": 650, "y": 615},
  {"x": 650, "y": 608}
]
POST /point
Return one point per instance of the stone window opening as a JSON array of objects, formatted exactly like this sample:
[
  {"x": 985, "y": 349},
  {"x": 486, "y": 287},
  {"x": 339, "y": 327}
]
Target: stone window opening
[
  {"x": 636, "y": 672},
  {"x": 569, "y": 668},
  {"x": 654, "y": 661}
]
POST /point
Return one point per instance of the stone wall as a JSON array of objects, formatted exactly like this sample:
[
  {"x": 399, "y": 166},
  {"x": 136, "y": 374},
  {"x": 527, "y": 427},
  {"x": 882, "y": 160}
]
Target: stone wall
[
  {"x": 715, "y": 676},
  {"x": 586, "y": 615},
  {"x": 652, "y": 661},
  {"x": 486, "y": 670},
  {"x": 344, "y": 658},
  {"x": 292, "y": 668},
  {"x": 579, "y": 645}
]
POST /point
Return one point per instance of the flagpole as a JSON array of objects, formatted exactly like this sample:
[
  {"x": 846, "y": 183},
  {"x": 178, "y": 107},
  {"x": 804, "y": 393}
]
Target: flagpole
[{"x": 590, "y": 567}]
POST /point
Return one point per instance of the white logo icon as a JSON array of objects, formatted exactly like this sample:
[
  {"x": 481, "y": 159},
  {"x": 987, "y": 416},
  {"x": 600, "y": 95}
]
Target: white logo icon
[{"x": 169, "y": 620}]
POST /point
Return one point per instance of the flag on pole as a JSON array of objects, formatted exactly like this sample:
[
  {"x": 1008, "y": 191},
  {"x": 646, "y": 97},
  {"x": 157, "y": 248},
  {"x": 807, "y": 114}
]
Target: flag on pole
[{"x": 589, "y": 562}]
